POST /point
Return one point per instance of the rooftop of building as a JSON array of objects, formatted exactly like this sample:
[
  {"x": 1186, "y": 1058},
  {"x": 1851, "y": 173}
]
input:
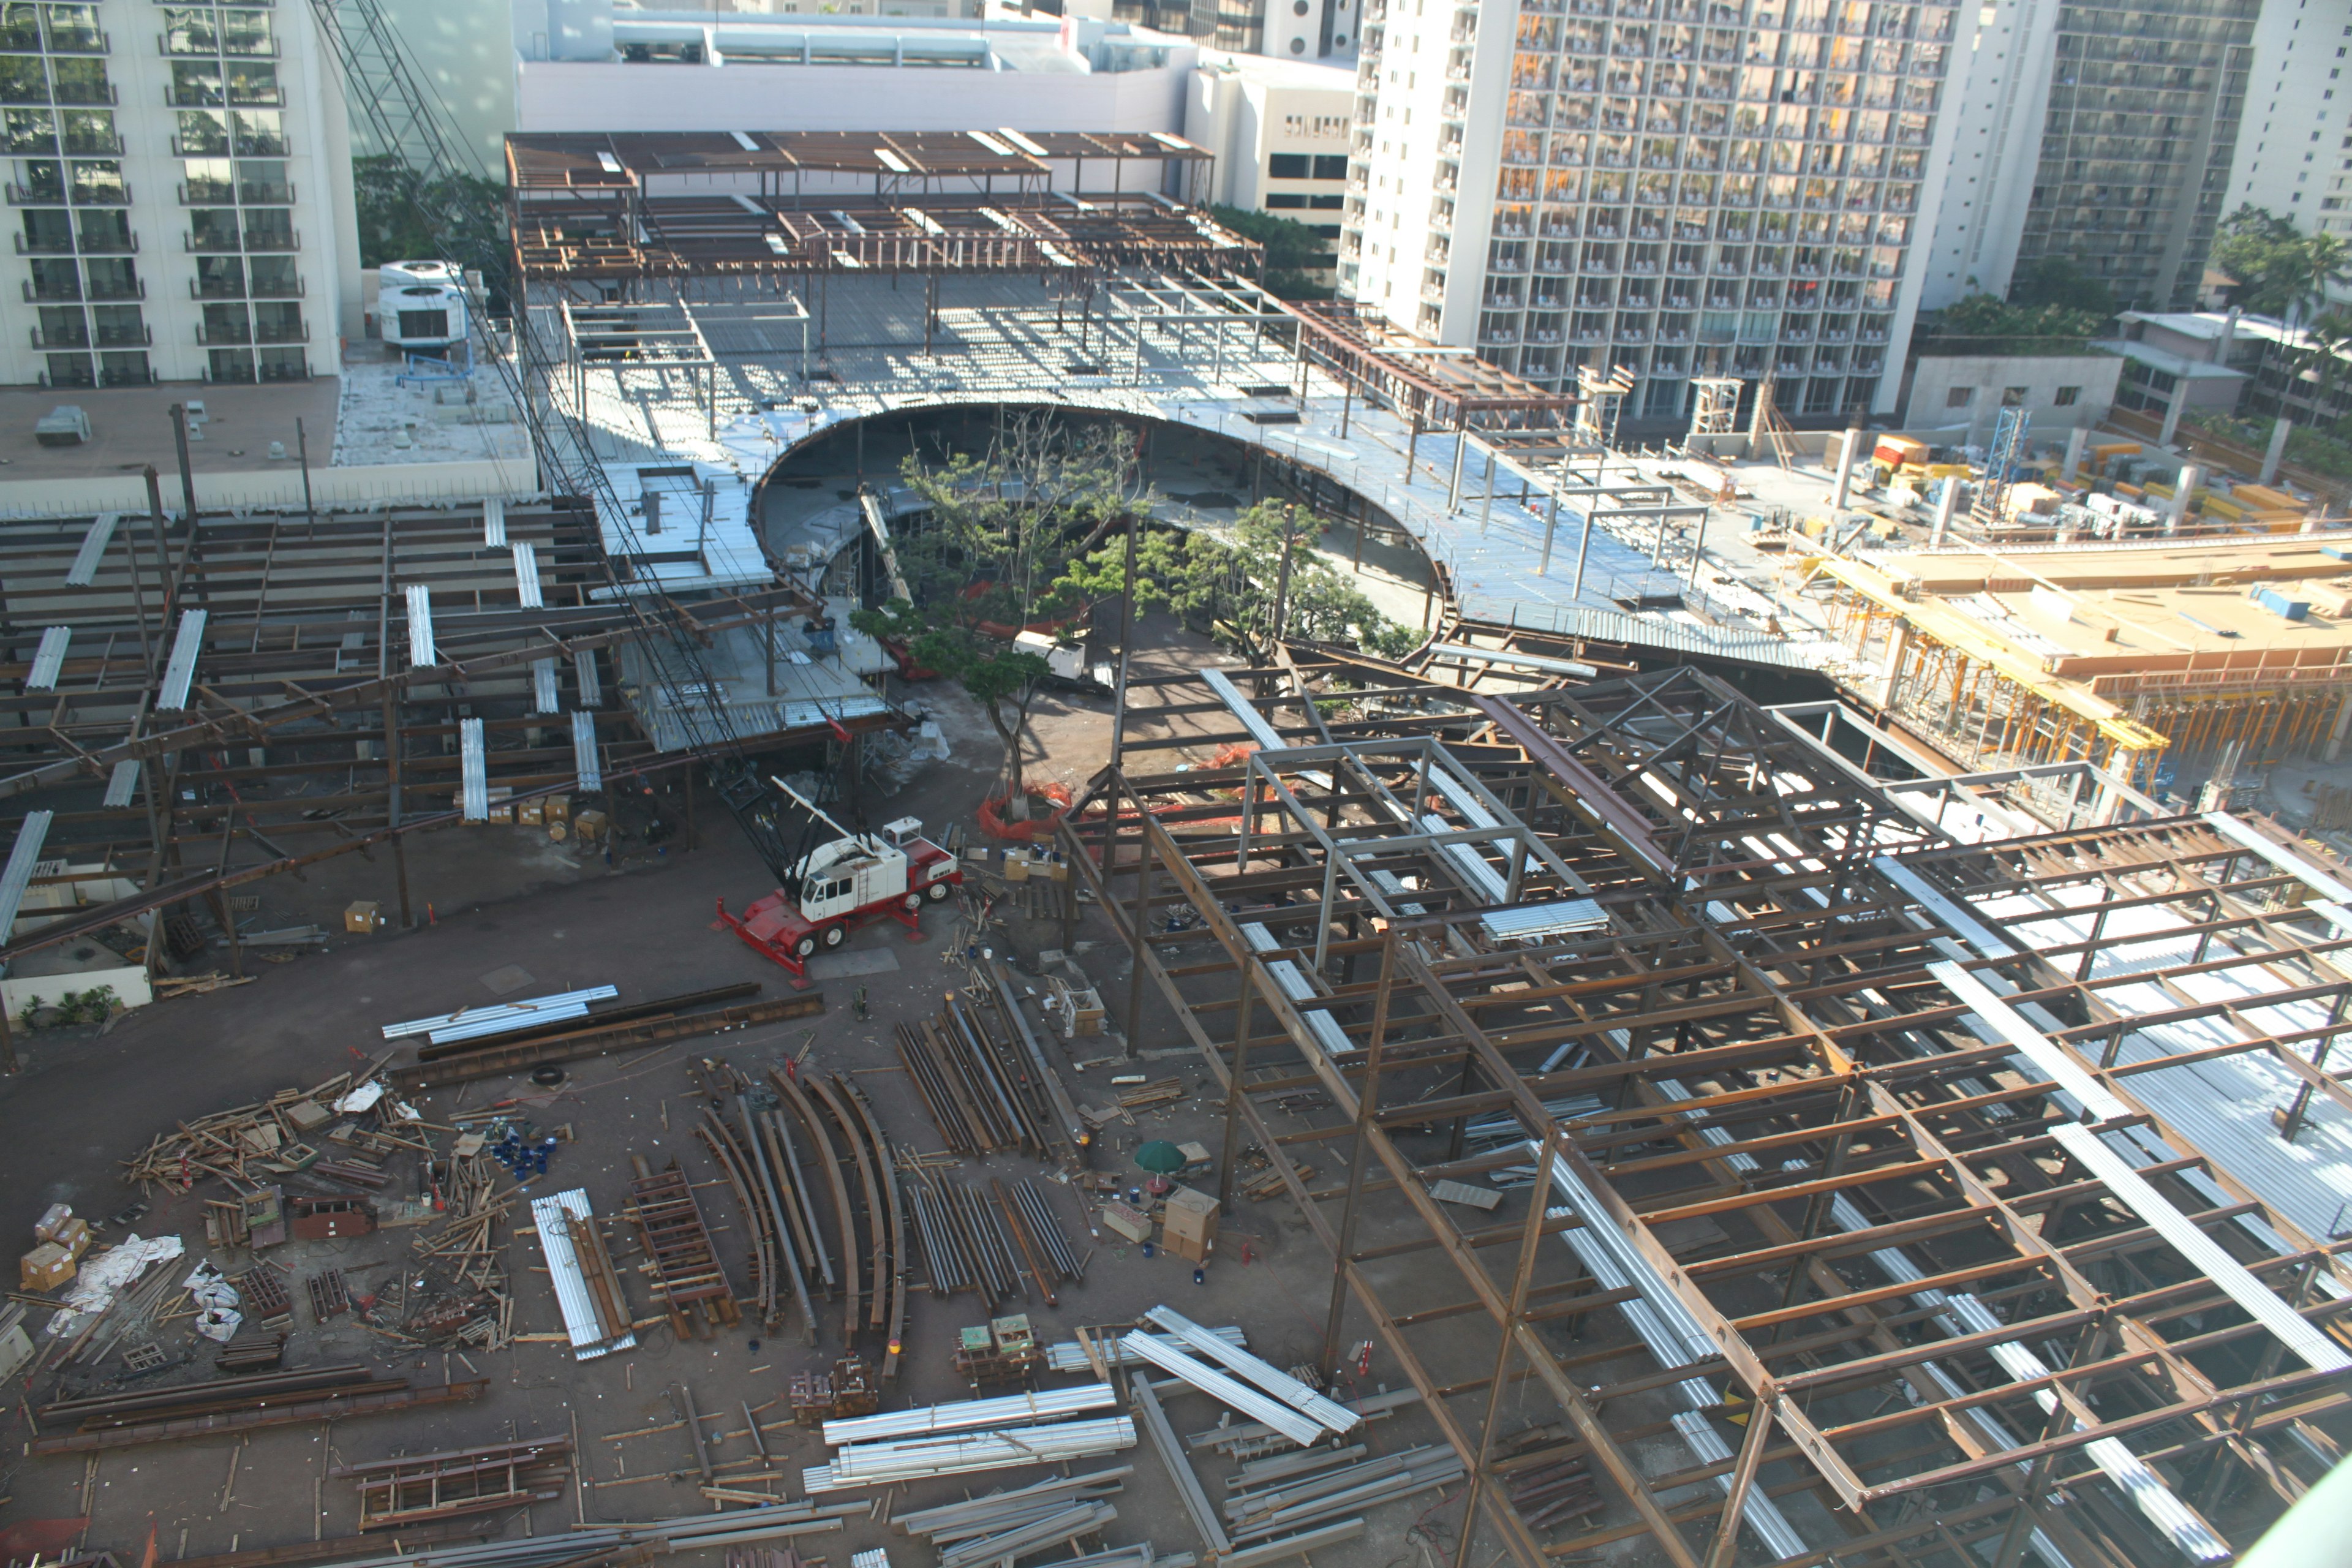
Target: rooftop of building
[{"x": 662, "y": 36}]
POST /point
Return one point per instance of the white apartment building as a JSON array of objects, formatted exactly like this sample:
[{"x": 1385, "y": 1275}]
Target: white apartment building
[
  {"x": 1677, "y": 187},
  {"x": 1279, "y": 128},
  {"x": 2117, "y": 139},
  {"x": 2295, "y": 153},
  {"x": 180, "y": 191}
]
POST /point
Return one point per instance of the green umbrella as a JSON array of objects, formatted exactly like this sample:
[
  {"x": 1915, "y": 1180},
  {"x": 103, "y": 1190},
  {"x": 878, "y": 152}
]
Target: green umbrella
[{"x": 1160, "y": 1157}]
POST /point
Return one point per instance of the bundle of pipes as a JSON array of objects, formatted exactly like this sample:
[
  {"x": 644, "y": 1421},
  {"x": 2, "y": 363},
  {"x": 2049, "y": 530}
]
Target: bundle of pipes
[
  {"x": 767, "y": 1154},
  {"x": 963, "y": 1453},
  {"x": 964, "y": 1241},
  {"x": 1005, "y": 1525},
  {"x": 983, "y": 1075},
  {"x": 1545, "y": 1489},
  {"x": 1068, "y": 1355},
  {"x": 966, "y": 1415},
  {"x": 588, "y": 1547},
  {"x": 1037, "y": 1215},
  {"x": 1307, "y": 1500}
]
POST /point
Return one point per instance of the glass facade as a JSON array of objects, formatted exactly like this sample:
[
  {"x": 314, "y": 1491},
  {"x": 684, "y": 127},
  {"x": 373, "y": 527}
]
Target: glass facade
[
  {"x": 2142, "y": 124},
  {"x": 1684, "y": 188}
]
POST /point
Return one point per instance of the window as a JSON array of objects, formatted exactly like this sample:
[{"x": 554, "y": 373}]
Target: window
[
  {"x": 2013, "y": 396},
  {"x": 1279, "y": 200},
  {"x": 1328, "y": 203},
  {"x": 1959, "y": 397},
  {"x": 1287, "y": 165},
  {"x": 1331, "y": 165},
  {"x": 2067, "y": 396}
]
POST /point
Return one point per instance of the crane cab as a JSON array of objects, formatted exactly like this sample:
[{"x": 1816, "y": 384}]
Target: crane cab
[{"x": 856, "y": 878}]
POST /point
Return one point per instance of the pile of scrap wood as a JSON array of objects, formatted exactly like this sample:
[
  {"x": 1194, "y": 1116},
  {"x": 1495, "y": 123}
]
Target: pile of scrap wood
[
  {"x": 464, "y": 1300},
  {"x": 253, "y": 1146},
  {"x": 801, "y": 1150},
  {"x": 238, "y": 1404}
]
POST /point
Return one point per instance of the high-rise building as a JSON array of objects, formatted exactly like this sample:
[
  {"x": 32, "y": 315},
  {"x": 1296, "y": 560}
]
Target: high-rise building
[
  {"x": 1678, "y": 187},
  {"x": 2295, "y": 155},
  {"x": 2104, "y": 137},
  {"x": 179, "y": 186}
]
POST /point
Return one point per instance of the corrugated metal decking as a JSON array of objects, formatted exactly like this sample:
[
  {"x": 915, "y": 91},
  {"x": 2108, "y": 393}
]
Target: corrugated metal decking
[
  {"x": 180, "y": 673},
  {"x": 24, "y": 858},
  {"x": 422, "y": 653},
  {"x": 473, "y": 771},
  {"x": 1013, "y": 1409},
  {"x": 550, "y": 1215},
  {"x": 49, "y": 659}
]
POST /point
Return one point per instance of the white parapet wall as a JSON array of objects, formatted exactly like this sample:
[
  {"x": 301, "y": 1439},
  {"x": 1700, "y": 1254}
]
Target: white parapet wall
[{"x": 276, "y": 489}]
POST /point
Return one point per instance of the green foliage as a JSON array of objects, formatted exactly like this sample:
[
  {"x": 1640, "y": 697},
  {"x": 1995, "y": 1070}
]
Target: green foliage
[
  {"x": 1003, "y": 531},
  {"x": 2280, "y": 272},
  {"x": 1230, "y": 587},
  {"x": 93, "y": 1006},
  {"x": 1293, "y": 252},
  {"x": 1986, "y": 324},
  {"x": 404, "y": 216},
  {"x": 2054, "y": 280}
]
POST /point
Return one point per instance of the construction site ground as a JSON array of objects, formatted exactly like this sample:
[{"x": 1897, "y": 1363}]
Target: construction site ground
[{"x": 92, "y": 1097}]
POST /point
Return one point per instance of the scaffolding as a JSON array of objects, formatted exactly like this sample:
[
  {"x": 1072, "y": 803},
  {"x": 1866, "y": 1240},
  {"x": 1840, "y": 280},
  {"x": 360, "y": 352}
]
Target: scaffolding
[
  {"x": 1714, "y": 405},
  {"x": 1863, "y": 1199}
]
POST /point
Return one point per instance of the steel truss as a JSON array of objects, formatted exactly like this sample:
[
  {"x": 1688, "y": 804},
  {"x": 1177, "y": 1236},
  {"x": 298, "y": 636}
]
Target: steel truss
[
  {"x": 321, "y": 715},
  {"x": 1837, "y": 1258}
]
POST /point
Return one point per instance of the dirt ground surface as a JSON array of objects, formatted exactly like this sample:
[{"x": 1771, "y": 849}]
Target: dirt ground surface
[{"x": 489, "y": 901}]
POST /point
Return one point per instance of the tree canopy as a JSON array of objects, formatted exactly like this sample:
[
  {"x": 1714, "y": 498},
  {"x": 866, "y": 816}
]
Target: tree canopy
[
  {"x": 1986, "y": 324},
  {"x": 2054, "y": 280},
  {"x": 2280, "y": 270},
  {"x": 1294, "y": 251}
]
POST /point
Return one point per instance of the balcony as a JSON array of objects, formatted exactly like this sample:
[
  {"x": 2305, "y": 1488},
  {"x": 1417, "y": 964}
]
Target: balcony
[
  {"x": 85, "y": 95},
  {"x": 51, "y": 245},
  {"x": 270, "y": 333},
  {"x": 71, "y": 41},
  {"x": 230, "y": 97},
  {"x": 76, "y": 338},
  {"x": 238, "y": 336},
  {"x": 136, "y": 290},
  {"x": 125, "y": 338}
]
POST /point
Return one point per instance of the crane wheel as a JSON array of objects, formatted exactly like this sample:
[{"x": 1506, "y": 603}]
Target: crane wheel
[
  {"x": 804, "y": 947},
  {"x": 937, "y": 892},
  {"x": 833, "y": 936},
  {"x": 914, "y": 902}
]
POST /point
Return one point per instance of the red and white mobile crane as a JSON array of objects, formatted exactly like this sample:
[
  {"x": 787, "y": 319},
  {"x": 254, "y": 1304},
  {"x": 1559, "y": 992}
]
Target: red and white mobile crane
[{"x": 840, "y": 886}]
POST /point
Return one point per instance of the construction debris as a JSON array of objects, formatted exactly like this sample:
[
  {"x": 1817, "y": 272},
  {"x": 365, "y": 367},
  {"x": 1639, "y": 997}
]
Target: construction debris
[{"x": 420, "y": 1488}]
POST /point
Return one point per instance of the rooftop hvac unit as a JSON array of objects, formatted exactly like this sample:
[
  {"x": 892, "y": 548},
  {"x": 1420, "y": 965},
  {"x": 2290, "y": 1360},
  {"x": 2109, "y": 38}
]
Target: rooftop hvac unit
[{"x": 421, "y": 307}]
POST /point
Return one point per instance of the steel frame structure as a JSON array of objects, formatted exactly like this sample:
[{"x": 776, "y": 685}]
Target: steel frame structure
[
  {"x": 1823, "y": 1269},
  {"x": 320, "y": 717},
  {"x": 610, "y": 207}
]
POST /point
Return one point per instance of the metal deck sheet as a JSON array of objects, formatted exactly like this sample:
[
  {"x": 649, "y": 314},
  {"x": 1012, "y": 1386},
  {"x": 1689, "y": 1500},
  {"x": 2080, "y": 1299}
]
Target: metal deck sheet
[{"x": 551, "y": 1216}]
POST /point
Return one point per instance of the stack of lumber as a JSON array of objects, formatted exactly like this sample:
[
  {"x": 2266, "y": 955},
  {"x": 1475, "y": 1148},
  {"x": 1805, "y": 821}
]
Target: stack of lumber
[{"x": 245, "y": 1146}]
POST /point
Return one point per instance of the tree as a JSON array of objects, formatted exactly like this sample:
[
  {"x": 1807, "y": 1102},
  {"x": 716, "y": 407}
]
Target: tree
[
  {"x": 2054, "y": 280},
  {"x": 1984, "y": 325},
  {"x": 1001, "y": 530},
  {"x": 1293, "y": 252},
  {"x": 404, "y": 216},
  {"x": 2280, "y": 272}
]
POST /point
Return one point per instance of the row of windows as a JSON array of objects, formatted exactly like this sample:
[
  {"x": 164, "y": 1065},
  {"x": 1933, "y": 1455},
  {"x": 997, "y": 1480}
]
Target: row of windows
[
  {"x": 1284, "y": 201},
  {"x": 101, "y": 231},
  {"x": 1306, "y": 166},
  {"x": 2011, "y": 396}
]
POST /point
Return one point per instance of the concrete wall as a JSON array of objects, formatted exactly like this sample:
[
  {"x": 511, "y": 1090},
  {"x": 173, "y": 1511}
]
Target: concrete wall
[
  {"x": 557, "y": 95},
  {"x": 1245, "y": 114},
  {"x": 1929, "y": 413},
  {"x": 279, "y": 488}
]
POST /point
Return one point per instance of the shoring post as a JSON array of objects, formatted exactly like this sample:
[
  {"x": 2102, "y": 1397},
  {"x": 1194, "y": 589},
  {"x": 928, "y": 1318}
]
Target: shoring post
[
  {"x": 187, "y": 472},
  {"x": 1243, "y": 1023},
  {"x": 1583, "y": 546},
  {"x": 1743, "y": 1479},
  {"x": 1141, "y": 913},
  {"x": 1461, "y": 451},
  {"x": 1514, "y": 1315},
  {"x": 1486, "y": 496},
  {"x": 1126, "y": 643},
  {"x": 1368, "y": 1101}
]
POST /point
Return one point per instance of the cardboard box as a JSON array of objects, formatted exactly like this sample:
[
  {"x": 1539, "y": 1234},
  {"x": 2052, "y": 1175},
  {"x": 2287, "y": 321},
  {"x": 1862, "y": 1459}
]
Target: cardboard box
[
  {"x": 1188, "y": 1249},
  {"x": 589, "y": 825},
  {"x": 532, "y": 813},
  {"x": 45, "y": 1267},
  {"x": 46, "y": 1227},
  {"x": 1132, "y": 1223},
  {"x": 74, "y": 1236},
  {"x": 364, "y": 917},
  {"x": 1189, "y": 1216},
  {"x": 558, "y": 807}
]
